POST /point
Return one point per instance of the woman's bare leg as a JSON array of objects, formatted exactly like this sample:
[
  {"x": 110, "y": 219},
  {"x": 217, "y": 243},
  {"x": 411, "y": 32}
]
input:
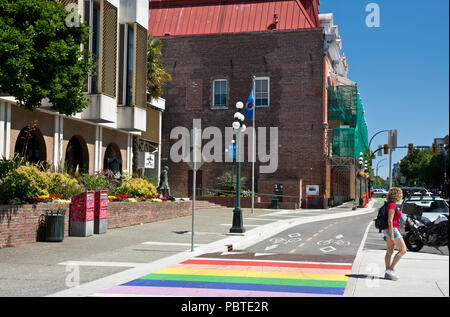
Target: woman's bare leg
[{"x": 400, "y": 244}]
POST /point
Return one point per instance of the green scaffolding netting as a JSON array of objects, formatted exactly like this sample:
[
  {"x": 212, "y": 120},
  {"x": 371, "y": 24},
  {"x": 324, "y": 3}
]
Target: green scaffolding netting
[{"x": 344, "y": 105}]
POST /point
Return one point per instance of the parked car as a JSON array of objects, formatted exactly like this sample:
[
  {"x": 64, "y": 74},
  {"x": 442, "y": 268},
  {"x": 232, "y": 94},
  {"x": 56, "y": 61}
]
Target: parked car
[
  {"x": 431, "y": 208},
  {"x": 380, "y": 192},
  {"x": 413, "y": 191}
]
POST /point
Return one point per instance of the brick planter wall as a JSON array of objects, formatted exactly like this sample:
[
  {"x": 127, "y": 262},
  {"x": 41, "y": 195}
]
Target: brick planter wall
[
  {"x": 246, "y": 202},
  {"x": 26, "y": 223}
]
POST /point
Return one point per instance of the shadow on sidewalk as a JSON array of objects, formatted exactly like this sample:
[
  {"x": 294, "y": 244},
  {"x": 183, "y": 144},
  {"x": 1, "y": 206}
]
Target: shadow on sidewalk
[{"x": 366, "y": 276}]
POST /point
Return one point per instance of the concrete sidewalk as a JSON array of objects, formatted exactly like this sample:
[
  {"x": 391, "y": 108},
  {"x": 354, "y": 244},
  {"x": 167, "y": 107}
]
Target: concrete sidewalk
[{"x": 420, "y": 275}]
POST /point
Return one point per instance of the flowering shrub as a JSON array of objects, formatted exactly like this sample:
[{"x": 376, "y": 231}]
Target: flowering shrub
[
  {"x": 120, "y": 197},
  {"x": 63, "y": 185},
  {"x": 137, "y": 187},
  {"x": 24, "y": 182},
  {"x": 29, "y": 184}
]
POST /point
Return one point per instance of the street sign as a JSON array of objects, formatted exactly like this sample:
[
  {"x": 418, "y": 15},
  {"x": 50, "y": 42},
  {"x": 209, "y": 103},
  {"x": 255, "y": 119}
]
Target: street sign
[
  {"x": 312, "y": 190},
  {"x": 392, "y": 139}
]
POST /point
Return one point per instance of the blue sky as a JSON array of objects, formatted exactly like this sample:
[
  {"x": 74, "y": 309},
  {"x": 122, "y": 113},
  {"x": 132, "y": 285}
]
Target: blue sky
[{"x": 402, "y": 67}]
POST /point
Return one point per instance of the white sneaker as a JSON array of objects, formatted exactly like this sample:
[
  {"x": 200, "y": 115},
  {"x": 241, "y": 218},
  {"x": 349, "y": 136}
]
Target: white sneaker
[{"x": 389, "y": 274}]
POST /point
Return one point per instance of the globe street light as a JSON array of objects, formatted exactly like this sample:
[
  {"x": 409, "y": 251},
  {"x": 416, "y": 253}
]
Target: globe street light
[
  {"x": 361, "y": 164},
  {"x": 239, "y": 126}
]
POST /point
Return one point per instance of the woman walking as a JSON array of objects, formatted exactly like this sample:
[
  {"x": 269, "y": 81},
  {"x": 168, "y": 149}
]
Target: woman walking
[{"x": 392, "y": 233}]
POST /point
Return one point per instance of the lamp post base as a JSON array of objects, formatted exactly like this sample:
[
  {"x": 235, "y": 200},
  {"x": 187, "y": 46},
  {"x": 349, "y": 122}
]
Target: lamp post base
[
  {"x": 361, "y": 203},
  {"x": 237, "y": 221}
]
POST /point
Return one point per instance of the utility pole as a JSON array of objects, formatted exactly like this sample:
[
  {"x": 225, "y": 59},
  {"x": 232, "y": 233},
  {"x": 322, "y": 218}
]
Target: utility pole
[
  {"x": 392, "y": 141},
  {"x": 390, "y": 166}
]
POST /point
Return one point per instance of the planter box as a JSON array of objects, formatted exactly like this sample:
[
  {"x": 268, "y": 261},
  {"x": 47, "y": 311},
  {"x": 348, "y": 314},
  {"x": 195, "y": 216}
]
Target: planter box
[{"x": 22, "y": 224}]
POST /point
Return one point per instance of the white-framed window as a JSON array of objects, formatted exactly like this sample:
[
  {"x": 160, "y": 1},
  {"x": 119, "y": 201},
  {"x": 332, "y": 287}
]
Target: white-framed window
[
  {"x": 126, "y": 63},
  {"x": 220, "y": 93},
  {"x": 262, "y": 91},
  {"x": 92, "y": 18}
]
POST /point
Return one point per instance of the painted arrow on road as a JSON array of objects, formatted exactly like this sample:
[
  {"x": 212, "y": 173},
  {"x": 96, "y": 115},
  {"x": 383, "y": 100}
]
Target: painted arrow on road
[{"x": 270, "y": 247}]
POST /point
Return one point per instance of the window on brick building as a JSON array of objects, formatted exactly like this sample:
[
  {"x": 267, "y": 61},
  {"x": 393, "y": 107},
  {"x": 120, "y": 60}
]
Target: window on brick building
[
  {"x": 262, "y": 91},
  {"x": 220, "y": 93}
]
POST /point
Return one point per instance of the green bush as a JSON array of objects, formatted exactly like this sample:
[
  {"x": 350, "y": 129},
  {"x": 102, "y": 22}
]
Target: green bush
[
  {"x": 63, "y": 185},
  {"x": 227, "y": 182},
  {"x": 24, "y": 182},
  {"x": 137, "y": 187},
  {"x": 94, "y": 182}
]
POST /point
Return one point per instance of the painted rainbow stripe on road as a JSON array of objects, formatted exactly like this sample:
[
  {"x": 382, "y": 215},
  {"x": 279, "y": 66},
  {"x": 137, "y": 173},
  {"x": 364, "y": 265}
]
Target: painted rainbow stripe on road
[{"x": 209, "y": 277}]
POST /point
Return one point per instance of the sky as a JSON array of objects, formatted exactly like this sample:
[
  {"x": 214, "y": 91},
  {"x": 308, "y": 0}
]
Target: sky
[{"x": 401, "y": 68}]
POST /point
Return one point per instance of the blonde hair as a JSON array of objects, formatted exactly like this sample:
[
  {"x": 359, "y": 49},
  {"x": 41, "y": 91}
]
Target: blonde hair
[{"x": 395, "y": 194}]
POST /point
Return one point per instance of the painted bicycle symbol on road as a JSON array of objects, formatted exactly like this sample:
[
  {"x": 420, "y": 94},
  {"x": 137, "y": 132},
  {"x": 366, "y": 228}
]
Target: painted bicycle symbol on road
[
  {"x": 339, "y": 243},
  {"x": 327, "y": 244},
  {"x": 293, "y": 237}
]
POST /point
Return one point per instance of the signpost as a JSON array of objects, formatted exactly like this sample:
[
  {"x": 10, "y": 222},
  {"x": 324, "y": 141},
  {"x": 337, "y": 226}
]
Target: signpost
[{"x": 196, "y": 147}]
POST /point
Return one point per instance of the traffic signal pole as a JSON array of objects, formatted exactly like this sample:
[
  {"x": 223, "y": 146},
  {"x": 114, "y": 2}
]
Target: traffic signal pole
[{"x": 390, "y": 166}]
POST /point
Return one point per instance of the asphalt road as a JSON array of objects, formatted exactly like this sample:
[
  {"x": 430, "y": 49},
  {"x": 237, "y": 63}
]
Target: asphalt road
[{"x": 331, "y": 237}]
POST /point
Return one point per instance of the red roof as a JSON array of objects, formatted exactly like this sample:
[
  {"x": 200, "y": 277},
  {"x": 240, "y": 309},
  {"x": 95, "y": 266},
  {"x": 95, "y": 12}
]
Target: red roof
[{"x": 196, "y": 17}]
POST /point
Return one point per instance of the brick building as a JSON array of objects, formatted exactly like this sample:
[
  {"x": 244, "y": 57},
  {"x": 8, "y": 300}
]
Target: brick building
[{"x": 213, "y": 49}]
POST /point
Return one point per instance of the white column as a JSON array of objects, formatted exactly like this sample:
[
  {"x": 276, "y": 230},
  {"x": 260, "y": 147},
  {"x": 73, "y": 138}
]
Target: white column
[
  {"x": 8, "y": 131},
  {"x": 61, "y": 138},
  {"x": 98, "y": 149},
  {"x": 96, "y": 154},
  {"x": 130, "y": 154},
  {"x": 160, "y": 142},
  {"x": 2, "y": 129},
  {"x": 56, "y": 144},
  {"x": 100, "y": 145}
]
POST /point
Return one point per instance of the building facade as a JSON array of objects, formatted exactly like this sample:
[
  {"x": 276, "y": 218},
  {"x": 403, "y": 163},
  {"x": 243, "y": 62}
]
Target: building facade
[
  {"x": 102, "y": 136},
  {"x": 216, "y": 51},
  {"x": 347, "y": 135}
]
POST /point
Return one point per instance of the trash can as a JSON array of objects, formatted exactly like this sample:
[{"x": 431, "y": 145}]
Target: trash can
[
  {"x": 274, "y": 204},
  {"x": 54, "y": 225},
  {"x": 101, "y": 212}
]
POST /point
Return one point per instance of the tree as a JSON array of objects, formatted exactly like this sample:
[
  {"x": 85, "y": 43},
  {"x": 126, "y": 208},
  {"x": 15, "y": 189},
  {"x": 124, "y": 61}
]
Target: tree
[
  {"x": 423, "y": 168},
  {"x": 379, "y": 181},
  {"x": 156, "y": 73},
  {"x": 40, "y": 55}
]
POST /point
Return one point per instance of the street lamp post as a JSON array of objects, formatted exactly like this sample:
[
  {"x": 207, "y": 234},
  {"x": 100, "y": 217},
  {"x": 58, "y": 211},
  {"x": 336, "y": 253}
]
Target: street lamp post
[
  {"x": 370, "y": 151},
  {"x": 361, "y": 164},
  {"x": 380, "y": 166},
  {"x": 238, "y": 126}
]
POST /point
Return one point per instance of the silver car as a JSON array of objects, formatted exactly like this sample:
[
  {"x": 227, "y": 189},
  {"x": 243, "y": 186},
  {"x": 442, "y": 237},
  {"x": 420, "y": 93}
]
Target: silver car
[{"x": 431, "y": 208}]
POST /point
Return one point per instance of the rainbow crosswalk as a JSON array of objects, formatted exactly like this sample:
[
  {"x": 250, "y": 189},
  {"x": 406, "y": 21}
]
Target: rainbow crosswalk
[{"x": 209, "y": 276}]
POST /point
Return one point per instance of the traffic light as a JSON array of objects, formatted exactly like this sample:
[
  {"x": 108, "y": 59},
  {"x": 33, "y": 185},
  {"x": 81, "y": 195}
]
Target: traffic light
[
  {"x": 410, "y": 148},
  {"x": 386, "y": 149},
  {"x": 435, "y": 148}
]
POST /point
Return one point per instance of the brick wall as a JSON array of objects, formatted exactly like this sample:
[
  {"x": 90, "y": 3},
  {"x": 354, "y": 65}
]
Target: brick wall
[
  {"x": 294, "y": 62},
  {"x": 26, "y": 223},
  {"x": 230, "y": 202}
]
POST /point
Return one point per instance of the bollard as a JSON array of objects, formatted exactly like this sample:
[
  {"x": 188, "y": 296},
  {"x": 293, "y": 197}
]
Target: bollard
[{"x": 306, "y": 200}]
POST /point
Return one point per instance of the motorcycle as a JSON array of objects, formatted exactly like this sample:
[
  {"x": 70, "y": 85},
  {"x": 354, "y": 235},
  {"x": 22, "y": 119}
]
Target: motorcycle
[{"x": 420, "y": 232}]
